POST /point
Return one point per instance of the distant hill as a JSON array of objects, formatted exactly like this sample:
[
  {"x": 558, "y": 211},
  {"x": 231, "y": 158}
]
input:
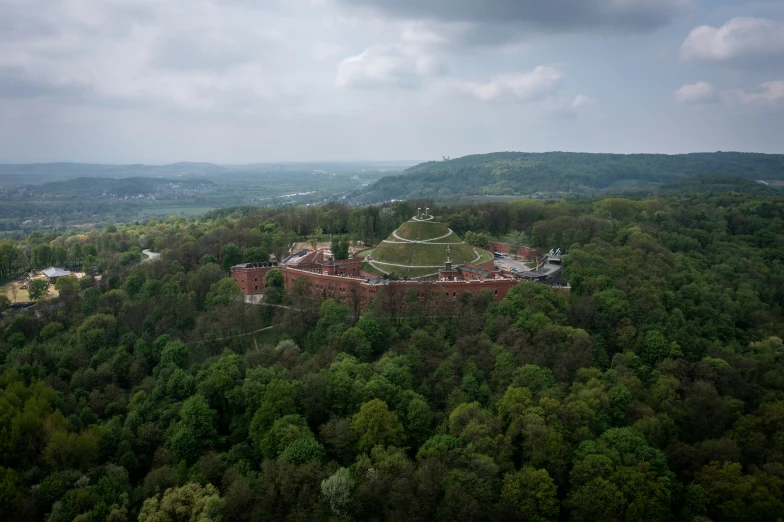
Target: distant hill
[
  {"x": 37, "y": 173},
  {"x": 117, "y": 188},
  {"x": 561, "y": 174}
]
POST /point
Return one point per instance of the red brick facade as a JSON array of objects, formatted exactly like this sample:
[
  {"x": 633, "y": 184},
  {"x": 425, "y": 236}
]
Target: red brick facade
[
  {"x": 250, "y": 277},
  {"x": 337, "y": 280}
]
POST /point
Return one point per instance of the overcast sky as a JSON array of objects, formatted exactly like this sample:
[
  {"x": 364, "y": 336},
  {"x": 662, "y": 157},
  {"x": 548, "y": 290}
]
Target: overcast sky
[{"x": 235, "y": 81}]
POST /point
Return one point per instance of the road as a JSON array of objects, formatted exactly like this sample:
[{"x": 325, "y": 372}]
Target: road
[
  {"x": 150, "y": 255},
  {"x": 507, "y": 263}
]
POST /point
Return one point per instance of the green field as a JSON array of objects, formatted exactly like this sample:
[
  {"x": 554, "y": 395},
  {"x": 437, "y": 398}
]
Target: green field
[{"x": 189, "y": 212}]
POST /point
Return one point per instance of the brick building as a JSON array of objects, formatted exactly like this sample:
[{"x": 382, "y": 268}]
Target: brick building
[{"x": 344, "y": 279}]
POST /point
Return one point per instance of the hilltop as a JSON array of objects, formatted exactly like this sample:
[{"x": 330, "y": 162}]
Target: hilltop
[
  {"x": 562, "y": 174},
  {"x": 418, "y": 248}
]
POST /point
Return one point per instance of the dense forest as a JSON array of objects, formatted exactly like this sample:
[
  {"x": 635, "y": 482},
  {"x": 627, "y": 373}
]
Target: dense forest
[
  {"x": 655, "y": 391},
  {"x": 561, "y": 174}
]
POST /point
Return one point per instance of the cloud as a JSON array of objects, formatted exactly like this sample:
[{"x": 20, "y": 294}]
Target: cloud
[
  {"x": 545, "y": 15},
  {"x": 581, "y": 101},
  {"x": 394, "y": 65},
  {"x": 699, "y": 92},
  {"x": 740, "y": 38},
  {"x": 521, "y": 87},
  {"x": 767, "y": 93}
]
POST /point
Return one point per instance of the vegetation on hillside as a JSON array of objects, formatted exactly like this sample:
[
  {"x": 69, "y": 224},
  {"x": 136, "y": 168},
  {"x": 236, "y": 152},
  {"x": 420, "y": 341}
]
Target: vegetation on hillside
[
  {"x": 561, "y": 174},
  {"x": 655, "y": 392}
]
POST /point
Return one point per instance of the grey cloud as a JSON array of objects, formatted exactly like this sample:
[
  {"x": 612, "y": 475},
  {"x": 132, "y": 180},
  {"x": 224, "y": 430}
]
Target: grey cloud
[
  {"x": 16, "y": 83},
  {"x": 194, "y": 50},
  {"x": 18, "y": 26},
  {"x": 548, "y": 15}
]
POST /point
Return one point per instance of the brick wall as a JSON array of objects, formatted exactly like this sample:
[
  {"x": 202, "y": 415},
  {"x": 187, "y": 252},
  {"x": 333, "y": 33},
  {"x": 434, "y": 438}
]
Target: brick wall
[
  {"x": 360, "y": 293},
  {"x": 251, "y": 280},
  {"x": 503, "y": 248}
]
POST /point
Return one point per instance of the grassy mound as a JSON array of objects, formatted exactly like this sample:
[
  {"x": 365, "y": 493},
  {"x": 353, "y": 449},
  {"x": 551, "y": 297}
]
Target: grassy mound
[{"x": 418, "y": 249}]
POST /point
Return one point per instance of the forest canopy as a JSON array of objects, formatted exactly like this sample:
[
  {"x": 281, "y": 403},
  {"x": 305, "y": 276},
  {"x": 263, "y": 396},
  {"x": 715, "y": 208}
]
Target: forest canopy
[
  {"x": 562, "y": 174},
  {"x": 653, "y": 391}
]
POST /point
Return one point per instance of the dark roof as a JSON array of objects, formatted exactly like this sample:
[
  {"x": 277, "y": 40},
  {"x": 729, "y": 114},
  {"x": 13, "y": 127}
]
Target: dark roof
[{"x": 475, "y": 270}]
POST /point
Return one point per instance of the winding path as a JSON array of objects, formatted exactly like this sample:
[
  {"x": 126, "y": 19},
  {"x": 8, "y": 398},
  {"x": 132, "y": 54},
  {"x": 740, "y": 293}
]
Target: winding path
[{"x": 150, "y": 255}]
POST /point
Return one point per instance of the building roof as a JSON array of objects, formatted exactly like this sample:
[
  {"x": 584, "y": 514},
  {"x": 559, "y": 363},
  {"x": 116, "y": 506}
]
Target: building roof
[
  {"x": 475, "y": 270},
  {"x": 53, "y": 271}
]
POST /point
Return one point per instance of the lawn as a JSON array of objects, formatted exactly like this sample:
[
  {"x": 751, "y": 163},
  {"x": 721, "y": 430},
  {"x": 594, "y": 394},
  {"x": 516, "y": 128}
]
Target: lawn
[
  {"x": 426, "y": 230},
  {"x": 21, "y": 294}
]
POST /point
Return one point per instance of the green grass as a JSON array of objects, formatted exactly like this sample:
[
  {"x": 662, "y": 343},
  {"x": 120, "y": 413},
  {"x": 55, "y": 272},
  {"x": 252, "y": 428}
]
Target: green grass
[
  {"x": 399, "y": 254},
  {"x": 401, "y": 272},
  {"x": 427, "y": 230},
  {"x": 486, "y": 256},
  {"x": 367, "y": 267},
  {"x": 435, "y": 255}
]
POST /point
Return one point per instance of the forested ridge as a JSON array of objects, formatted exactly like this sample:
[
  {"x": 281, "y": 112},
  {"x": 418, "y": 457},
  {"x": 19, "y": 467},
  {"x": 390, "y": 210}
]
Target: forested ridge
[
  {"x": 562, "y": 174},
  {"x": 655, "y": 391}
]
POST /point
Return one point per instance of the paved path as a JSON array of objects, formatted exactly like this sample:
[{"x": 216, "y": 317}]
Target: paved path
[
  {"x": 426, "y": 241},
  {"x": 150, "y": 255}
]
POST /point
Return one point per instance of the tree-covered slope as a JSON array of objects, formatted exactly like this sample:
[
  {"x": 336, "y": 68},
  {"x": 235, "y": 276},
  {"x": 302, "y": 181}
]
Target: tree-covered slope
[
  {"x": 654, "y": 392},
  {"x": 562, "y": 173}
]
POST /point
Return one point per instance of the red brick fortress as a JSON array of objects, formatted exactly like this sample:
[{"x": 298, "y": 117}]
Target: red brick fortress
[{"x": 336, "y": 279}]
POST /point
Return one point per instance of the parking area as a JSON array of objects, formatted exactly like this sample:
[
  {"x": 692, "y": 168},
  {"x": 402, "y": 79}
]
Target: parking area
[{"x": 507, "y": 263}]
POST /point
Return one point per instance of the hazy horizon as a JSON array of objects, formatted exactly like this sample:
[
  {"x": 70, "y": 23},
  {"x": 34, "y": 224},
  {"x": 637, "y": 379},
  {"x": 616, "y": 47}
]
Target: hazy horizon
[{"x": 236, "y": 82}]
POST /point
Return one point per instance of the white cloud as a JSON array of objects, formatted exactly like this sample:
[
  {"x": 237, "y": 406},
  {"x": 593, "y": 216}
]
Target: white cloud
[
  {"x": 699, "y": 92},
  {"x": 768, "y": 93},
  {"x": 531, "y": 86},
  {"x": 394, "y": 65},
  {"x": 739, "y": 38},
  {"x": 581, "y": 101}
]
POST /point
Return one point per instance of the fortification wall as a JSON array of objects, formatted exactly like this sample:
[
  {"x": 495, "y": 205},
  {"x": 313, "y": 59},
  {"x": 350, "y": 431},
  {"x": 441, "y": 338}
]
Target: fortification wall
[
  {"x": 358, "y": 290},
  {"x": 503, "y": 248}
]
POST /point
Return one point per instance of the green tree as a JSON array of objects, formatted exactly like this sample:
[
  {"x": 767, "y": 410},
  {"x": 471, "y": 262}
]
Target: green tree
[
  {"x": 189, "y": 503},
  {"x": 256, "y": 255},
  {"x": 38, "y": 288},
  {"x": 477, "y": 239},
  {"x": 376, "y": 425},
  {"x": 274, "y": 286},
  {"x": 303, "y": 450},
  {"x": 67, "y": 286},
  {"x": 9, "y": 489},
  {"x": 278, "y": 400},
  {"x": 516, "y": 239},
  {"x": 337, "y": 490},
  {"x": 231, "y": 255},
  {"x": 340, "y": 248},
  {"x": 223, "y": 293},
  {"x": 195, "y": 430},
  {"x": 530, "y": 494}
]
